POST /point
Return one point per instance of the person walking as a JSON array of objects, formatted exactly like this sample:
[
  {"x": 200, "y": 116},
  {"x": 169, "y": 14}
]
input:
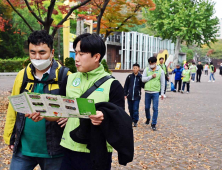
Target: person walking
[
  {"x": 164, "y": 68},
  {"x": 37, "y": 143},
  {"x": 154, "y": 79},
  {"x": 211, "y": 68},
  {"x": 199, "y": 71},
  {"x": 220, "y": 68},
  {"x": 186, "y": 79},
  {"x": 206, "y": 67},
  {"x": 193, "y": 69},
  {"x": 132, "y": 92},
  {"x": 178, "y": 75}
]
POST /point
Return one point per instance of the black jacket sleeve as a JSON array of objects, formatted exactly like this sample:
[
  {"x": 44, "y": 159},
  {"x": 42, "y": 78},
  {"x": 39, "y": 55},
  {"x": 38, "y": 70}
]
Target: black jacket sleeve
[
  {"x": 126, "y": 85},
  {"x": 116, "y": 94}
]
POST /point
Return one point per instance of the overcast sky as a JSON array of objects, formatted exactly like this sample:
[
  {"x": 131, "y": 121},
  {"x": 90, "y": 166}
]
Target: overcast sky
[{"x": 218, "y": 9}]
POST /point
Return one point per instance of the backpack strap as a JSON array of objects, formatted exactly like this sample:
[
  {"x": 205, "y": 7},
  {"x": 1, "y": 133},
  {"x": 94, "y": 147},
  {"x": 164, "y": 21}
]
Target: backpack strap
[
  {"x": 62, "y": 74},
  {"x": 24, "y": 81},
  {"x": 96, "y": 85}
]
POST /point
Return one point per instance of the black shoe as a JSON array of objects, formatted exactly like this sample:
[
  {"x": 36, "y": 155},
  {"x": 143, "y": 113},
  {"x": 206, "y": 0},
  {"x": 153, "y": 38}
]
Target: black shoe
[
  {"x": 153, "y": 127},
  {"x": 135, "y": 124},
  {"x": 147, "y": 121},
  {"x": 174, "y": 91}
]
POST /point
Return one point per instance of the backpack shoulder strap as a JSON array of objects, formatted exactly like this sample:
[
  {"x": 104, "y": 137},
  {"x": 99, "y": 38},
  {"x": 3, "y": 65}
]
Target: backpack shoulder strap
[
  {"x": 62, "y": 74},
  {"x": 24, "y": 81},
  {"x": 96, "y": 85}
]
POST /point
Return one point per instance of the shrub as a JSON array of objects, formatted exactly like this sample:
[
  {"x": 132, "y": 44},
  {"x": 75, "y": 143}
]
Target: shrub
[
  {"x": 104, "y": 63},
  {"x": 11, "y": 66},
  {"x": 70, "y": 63}
]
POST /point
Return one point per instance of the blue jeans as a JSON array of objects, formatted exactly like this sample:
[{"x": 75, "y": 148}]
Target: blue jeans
[
  {"x": 193, "y": 76},
  {"x": 164, "y": 88},
  {"x": 21, "y": 162},
  {"x": 155, "y": 98},
  {"x": 133, "y": 106},
  {"x": 212, "y": 75}
]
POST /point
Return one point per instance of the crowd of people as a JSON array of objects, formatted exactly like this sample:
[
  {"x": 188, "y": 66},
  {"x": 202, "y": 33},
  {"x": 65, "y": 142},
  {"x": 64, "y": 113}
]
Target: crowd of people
[{"x": 154, "y": 81}]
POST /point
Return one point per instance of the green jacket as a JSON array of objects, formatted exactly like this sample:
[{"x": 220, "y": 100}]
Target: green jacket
[{"x": 78, "y": 83}]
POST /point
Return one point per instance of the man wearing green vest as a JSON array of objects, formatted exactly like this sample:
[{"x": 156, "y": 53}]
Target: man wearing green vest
[
  {"x": 154, "y": 79},
  {"x": 193, "y": 70},
  {"x": 164, "y": 68},
  {"x": 211, "y": 68}
]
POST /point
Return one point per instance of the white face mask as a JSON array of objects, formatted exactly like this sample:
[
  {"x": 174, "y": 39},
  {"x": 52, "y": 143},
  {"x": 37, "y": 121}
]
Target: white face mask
[
  {"x": 41, "y": 64},
  {"x": 153, "y": 66}
]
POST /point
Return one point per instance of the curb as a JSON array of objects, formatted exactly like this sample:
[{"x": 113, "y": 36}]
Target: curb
[{"x": 8, "y": 73}]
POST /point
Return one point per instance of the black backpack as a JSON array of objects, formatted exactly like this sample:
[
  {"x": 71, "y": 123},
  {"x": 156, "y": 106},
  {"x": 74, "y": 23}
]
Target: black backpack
[{"x": 62, "y": 74}]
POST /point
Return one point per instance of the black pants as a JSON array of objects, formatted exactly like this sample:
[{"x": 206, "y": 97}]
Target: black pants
[
  {"x": 206, "y": 72},
  {"x": 188, "y": 86},
  {"x": 175, "y": 84},
  {"x": 79, "y": 161},
  {"x": 198, "y": 76}
]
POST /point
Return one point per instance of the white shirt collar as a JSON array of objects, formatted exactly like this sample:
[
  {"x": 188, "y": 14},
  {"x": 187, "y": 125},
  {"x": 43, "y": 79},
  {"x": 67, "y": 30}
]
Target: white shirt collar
[{"x": 48, "y": 71}]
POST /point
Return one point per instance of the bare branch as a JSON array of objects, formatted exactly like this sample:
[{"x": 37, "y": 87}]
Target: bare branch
[
  {"x": 101, "y": 15},
  {"x": 39, "y": 14},
  {"x": 67, "y": 15},
  {"x": 33, "y": 13},
  {"x": 50, "y": 10},
  {"x": 20, "y": 15}
]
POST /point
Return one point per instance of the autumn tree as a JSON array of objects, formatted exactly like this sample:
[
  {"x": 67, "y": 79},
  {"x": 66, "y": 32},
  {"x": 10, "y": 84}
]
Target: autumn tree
[
  {"x": 184, "y": 20},
  {"x": 45, "y": 16},
  {"x": 116, "y": 15}
]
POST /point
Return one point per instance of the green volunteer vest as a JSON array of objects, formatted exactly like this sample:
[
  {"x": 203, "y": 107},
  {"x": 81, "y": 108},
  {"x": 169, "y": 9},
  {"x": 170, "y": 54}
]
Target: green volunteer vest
[
  {"x": 154, "y": 83},
  {"x": 193, "y": 69},
  {"x": 77, "y": 84},
  {"x": 186, "y": 75},
  {"x": 163, "y": 66},
  {"x": 211, "y": 68}
]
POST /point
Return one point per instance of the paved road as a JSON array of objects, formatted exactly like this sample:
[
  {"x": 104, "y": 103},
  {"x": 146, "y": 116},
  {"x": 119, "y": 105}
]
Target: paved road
[{"x": 189, "y": 130}]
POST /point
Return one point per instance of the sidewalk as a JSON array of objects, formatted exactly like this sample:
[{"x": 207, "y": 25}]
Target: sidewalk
[{"x": 8, "y": 73}]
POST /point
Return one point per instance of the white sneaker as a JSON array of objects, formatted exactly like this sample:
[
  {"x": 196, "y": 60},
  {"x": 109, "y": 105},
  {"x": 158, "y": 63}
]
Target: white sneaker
[
  {"x": 187, "y": 92},
  {"x": 164, "y": 96},
  {"x": 213, "y": 81},
  {"x": 209, "y": 81},
  {"x": 159, "y": 96}
]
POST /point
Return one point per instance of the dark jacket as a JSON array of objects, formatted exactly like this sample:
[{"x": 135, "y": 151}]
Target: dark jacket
[
  {"x": 53, "y": 130},
  {"x": 116, "y": 129},
  {"x": 132, "y": 87},
  {"x": 178, "y": 73},
  {"x": 199, "y": 68}
]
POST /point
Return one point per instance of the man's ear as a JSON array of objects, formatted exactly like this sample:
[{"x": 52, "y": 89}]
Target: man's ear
[
  {"x": 53, "y": 52},
  {"x": 97, "y": 57}
]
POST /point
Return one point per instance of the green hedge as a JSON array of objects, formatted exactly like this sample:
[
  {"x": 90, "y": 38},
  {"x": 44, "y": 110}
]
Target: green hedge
[{"x": 11, "y": 66}]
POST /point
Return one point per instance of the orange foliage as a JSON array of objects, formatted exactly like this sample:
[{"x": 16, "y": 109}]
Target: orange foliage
[{"x": 118, "y": 15}]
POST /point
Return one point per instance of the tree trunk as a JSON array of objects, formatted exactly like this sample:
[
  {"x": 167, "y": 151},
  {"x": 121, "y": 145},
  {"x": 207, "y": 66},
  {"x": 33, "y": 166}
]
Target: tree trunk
[
  {"x": 82, "y": 26},
  {"x": 177, "y": 50},
  {"x": 78, "y": 32}
]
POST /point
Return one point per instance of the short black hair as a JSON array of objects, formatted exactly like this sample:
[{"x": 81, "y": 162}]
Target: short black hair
[
  {"x": 38, "y": 37},
  {"x": 152, "y": 60},
  {"x": 136, "y": 65},
  {"x": 91, "y": 43},
  {"x": 193, "y": 63},
  {"x": 211, "y": 63},
  {"x": 161, "y": 58}
]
